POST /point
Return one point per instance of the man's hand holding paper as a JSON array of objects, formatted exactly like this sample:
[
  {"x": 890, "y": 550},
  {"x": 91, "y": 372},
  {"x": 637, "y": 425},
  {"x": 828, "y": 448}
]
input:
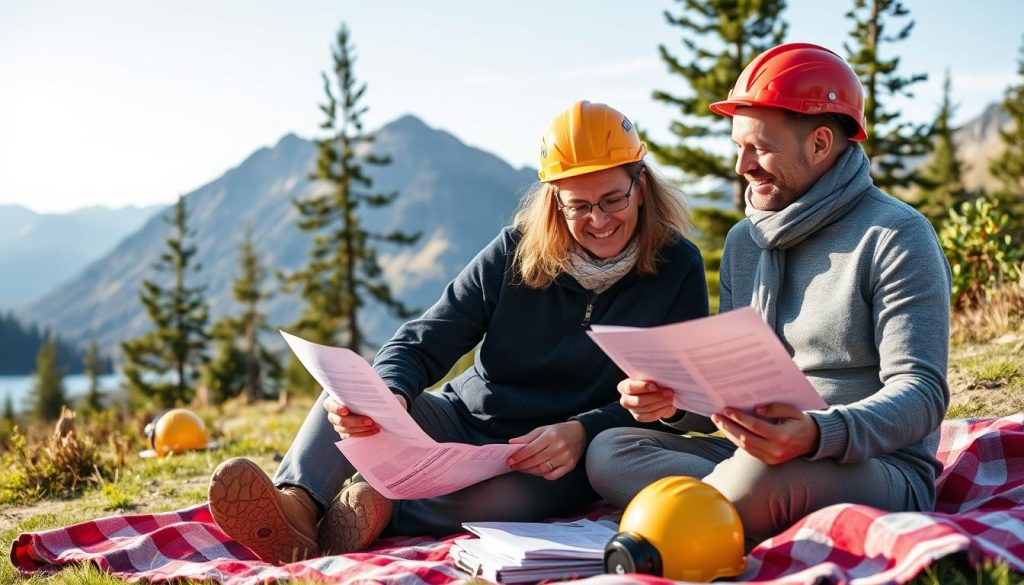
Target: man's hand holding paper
[
  {"x": 775, "y": 433},
  {"x": 729, "y": 360}
]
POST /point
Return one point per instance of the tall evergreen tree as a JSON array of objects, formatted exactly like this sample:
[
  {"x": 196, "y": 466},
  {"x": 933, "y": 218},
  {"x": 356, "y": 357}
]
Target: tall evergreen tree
[
  {"x": 342, "y": 271},
  {"x": 163, "y": 364},
  {"x": 242, "y": 364},
  {"x": 738, "y": 31},
  {"x": 8, "y": 418},
  {"x": 943, "y": 174},
  {"x": 93, "y": 401},
  {"x": 1008, "y": 167},
  {"x": 48, "y": 390},
  {"x": 891, "y": 139}
]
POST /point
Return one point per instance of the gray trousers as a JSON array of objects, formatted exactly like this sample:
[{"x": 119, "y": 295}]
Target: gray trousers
[
  {"x": 314, "y": 463},
  {"x": 768, "y": 498}
]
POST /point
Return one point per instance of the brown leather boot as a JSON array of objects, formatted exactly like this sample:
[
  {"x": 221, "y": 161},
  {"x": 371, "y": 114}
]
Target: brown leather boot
[
  {"x": 279, "y": 525},
  {"x": 355, "y": 519}
]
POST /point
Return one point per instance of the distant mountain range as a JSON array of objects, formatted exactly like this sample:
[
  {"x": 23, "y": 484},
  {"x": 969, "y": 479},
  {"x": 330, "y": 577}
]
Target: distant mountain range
[
  {"x": 978, "y": 143},
  {"x": 458, "y": 196},
  {"x": 38, "y": 251}
]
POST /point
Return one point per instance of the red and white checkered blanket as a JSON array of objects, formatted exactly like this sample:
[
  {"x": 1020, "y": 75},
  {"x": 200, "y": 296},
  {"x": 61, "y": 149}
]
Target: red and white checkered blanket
[{"x": 980, "y": 512}]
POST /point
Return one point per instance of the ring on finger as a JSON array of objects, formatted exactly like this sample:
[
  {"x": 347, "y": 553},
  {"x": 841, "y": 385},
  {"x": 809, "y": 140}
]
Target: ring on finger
[{"x": 551, "y": 467}]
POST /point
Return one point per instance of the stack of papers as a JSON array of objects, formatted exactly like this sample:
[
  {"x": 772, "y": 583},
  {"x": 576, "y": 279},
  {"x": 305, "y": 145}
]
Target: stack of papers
[{"x": 525, "y": 552}]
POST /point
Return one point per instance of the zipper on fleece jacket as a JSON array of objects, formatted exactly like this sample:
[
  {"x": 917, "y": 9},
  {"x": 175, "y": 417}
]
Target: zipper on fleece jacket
[{"x": 590, "y": 310}]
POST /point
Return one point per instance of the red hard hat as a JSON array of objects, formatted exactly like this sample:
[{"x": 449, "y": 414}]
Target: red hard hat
[{"x": 800, "y": 77}]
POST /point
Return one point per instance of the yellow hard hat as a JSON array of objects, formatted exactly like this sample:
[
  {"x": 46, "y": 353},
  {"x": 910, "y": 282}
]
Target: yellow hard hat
[
  {"x": 679, "y": 528},
  {"x": 176, "y": 431},
  {"x": 587, "y": 138}
]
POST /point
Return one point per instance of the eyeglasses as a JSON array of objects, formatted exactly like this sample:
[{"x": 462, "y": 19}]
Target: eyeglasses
[{"x": 607, "y": 205}]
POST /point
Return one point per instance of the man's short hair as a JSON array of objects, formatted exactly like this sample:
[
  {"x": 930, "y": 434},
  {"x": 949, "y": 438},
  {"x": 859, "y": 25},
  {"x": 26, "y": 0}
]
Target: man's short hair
[{"x": 842, "y": 126}]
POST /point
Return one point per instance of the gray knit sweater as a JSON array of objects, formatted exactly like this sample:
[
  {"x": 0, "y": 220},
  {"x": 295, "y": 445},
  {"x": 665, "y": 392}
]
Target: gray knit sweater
[{"x": 864, "y": 311}]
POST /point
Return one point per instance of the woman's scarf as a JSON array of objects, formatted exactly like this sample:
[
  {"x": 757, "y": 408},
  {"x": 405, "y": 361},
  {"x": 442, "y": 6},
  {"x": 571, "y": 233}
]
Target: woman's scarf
[{"x": 598, "y": 275}]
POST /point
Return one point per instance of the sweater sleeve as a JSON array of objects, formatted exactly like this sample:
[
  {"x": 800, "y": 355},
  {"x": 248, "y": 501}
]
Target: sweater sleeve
[
  {"x": 910, "y": 286},
  {"x": 423, "y": 350}
]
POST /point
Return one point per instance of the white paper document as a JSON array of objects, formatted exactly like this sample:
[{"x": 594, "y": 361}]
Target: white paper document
[
  {"x": 578, "y": 539},
  {"x": 730, "y": 359},
  {"x": 401, "y": 461}
]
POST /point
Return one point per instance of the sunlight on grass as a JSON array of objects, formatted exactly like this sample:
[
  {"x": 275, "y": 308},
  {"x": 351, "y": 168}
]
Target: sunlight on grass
[
  {"x": 993, "y": 369},
  {"x": 969, "y": 410}
]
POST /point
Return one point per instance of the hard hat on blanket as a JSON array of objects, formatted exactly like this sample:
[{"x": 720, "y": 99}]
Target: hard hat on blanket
[{"x": 679, "y": 528}]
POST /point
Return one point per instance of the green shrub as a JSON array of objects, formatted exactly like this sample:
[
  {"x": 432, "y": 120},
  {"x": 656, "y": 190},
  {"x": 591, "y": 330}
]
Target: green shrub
[{"x": 981, "y": 253}]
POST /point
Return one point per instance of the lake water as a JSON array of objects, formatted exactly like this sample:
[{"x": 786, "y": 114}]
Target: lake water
[{"x": 19, "y": 388}]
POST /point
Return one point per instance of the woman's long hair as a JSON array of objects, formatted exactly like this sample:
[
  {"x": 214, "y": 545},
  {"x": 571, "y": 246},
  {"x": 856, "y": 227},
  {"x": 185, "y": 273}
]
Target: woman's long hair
[{"x": 545, "y": 242}]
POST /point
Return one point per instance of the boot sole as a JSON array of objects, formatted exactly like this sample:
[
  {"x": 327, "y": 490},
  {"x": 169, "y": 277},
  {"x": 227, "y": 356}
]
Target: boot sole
[
  {"x": 351, "y": 528},
  {"x": 243, "y": 502}
]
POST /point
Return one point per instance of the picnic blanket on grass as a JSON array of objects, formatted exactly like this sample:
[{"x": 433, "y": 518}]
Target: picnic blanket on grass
[{"x": 980, "y": 512}]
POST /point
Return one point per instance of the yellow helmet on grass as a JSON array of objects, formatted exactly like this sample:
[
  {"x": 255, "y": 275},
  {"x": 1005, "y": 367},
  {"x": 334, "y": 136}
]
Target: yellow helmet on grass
[
  {"x": 175, "y": 431},
  {"x": 679, "y": 528}
]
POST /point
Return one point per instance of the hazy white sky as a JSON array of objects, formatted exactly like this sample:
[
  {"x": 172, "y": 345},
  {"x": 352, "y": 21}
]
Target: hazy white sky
[{"x": 121, "y": 102}]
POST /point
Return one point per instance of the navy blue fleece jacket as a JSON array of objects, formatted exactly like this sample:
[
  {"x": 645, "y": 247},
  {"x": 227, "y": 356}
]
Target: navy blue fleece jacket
[{"x": 536, "y": 365}]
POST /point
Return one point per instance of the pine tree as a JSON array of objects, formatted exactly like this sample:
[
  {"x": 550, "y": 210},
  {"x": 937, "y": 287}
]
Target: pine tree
[
  {"x": 342, "y": 272},
  {"x": 891, "y": 140},
  {"x": 48, "y": 389},
  {"x": 8, "y": 419},
  {"x": 224, "y": 375},
  {"x": 163, "y": 364},
  {"x": 19, "y": 346},
  {"x": 1008, "y": 167},
  {"x": 741, "y": 31},
  {"x": 242, "y": 364},
  {"x": 93, "y": 401},
  {"x": 943, "y": 174}
]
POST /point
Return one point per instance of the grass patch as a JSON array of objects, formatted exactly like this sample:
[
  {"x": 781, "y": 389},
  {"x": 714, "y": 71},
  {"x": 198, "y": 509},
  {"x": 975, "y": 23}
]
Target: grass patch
[
  {"x": 955, "y": 570},
  {"x": 967, "y": 410},
  {"x": 992, "y": 369}
]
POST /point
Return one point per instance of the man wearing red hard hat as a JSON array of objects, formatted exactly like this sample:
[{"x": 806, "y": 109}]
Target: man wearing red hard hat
[{"x": 855, "y": 285}]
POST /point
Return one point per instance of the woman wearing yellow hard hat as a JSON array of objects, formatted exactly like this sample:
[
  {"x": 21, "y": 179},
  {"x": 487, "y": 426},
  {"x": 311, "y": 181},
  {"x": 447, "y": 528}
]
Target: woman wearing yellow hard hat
[{"x": 597, "y": 240}]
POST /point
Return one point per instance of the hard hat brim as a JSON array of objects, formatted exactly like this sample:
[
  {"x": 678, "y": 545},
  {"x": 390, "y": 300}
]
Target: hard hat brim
[
  {"x": 580, "y": 170},
  {"x": 727, "y": 108}
]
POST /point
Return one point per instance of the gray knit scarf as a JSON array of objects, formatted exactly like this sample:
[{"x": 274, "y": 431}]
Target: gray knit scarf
[
  {"x": 598, "y": 275},
  {"x": 835, "y": 193}
]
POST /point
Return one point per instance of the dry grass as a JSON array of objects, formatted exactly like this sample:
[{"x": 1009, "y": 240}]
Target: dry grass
[{"x": 994, "y": 318}]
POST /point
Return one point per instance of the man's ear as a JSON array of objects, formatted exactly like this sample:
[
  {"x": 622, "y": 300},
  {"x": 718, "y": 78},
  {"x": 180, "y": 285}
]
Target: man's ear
[{"x": 819, "y": 144}]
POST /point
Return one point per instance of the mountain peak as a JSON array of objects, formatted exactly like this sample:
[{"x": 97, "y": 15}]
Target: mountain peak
[
  {"x": 406, "y": 123},
  {"x": 290, "y": 139}
]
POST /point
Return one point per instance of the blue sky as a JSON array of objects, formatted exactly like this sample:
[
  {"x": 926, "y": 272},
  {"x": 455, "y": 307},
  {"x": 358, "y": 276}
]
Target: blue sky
[{"x": 120, "y": 102}]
